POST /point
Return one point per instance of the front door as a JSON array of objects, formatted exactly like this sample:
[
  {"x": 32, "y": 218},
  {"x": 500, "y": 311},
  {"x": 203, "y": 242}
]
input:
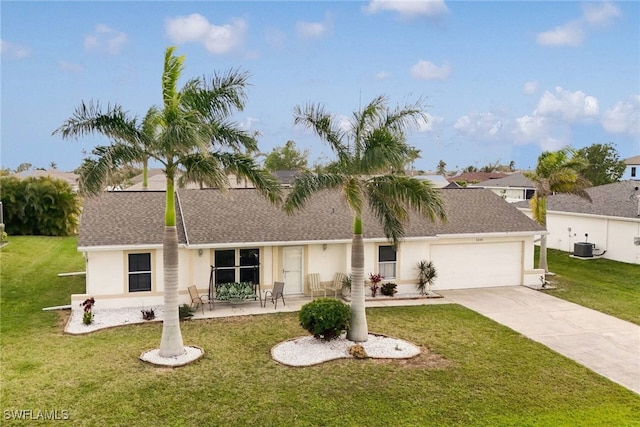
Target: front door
[{"x": 292, "y": 269}]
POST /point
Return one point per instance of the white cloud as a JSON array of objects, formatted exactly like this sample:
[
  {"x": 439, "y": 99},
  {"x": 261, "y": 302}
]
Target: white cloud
[
  {"x": 540, "y": 131},
  {"x": 407, "y": 8},
  {"x": 105, "y": 39},
  {"x": 529, "y": 88},
  {"x": 249, "y": 123},
  {"x": 13, "y": 50},
  {"x": 570, "y": 34},
  {"x": 623, "y": 117},
  {"x": 567, "y": 106},
  {"x": 573, "y": 33},
  {"x": 314, "y": 30},
  {"x": 486, "y": 126},
  {"x": 70, "y": 67},
  {"x": 431, "y": 124},
  {"x": 600, "y": 13},
  {"x": 310, "y": 30},
  {"x": 425, "y": 70},
  {"x": 217, "y": 39},
  {"x": 383, "y": 75}
]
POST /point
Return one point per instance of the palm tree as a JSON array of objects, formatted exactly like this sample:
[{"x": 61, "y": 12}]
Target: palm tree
[
  {"x": 125, "y": 132},
  {"x": 369, "y": 150},
  {"x": 556, "y": 172},
  {"x": 190, "y": 136}
]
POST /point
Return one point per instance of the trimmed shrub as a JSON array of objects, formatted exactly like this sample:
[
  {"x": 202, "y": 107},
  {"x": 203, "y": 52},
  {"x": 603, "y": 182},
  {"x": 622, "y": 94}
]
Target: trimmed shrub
[
  {"x": 388, "y": 289},
  {"x": 325, "y": 318}
]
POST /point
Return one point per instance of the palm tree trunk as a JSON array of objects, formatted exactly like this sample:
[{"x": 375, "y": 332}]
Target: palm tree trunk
[
  {"x": 145, "y": 174},
  {"x": 171, "y": 344},
  {"x": 543, "y": 254},
  {"x": 358, "y": 330}
]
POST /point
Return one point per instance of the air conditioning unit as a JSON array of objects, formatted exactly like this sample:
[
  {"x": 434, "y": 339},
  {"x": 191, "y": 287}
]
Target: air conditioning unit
[{"x": 583, "y": 249}]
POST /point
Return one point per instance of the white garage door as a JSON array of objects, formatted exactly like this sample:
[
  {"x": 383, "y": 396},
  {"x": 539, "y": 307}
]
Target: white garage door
[{"x": 477, "y": 265}]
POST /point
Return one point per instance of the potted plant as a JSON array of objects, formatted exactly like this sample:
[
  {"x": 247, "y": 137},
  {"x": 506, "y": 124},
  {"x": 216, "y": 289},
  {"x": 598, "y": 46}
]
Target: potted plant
[
  {"x": 426, "y": 276},
  {"x": 346, "y": 285},
  {"x": 375, "y": 279}
]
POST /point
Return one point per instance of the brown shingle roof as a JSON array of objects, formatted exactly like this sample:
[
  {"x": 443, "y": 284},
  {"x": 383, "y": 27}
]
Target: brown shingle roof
[
  {"x": 617, "y": 199},
  {"x": 242, "y": 216},
  {"x": 125, "y": 218},
  {"x": 473, "y": 177}
]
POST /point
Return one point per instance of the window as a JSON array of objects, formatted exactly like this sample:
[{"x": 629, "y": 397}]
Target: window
[
  {"x": 225, "y": 262},
  {"x": 633, "y": 171},
  {"x": 387, "y": 262},
  {"x": 246, "y": 269},
  {"x": 139, "y": 272}
]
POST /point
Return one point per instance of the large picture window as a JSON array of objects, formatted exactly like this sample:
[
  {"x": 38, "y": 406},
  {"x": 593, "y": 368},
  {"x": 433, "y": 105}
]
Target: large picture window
[
  {"x": 237, "y": 265},
  {"x": 387, "y": 262},
  {"x": 139, "y": 272}
]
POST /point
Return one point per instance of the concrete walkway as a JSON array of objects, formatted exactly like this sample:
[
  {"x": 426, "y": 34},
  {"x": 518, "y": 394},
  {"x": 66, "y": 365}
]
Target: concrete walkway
[{"x": 602, "y": 343}]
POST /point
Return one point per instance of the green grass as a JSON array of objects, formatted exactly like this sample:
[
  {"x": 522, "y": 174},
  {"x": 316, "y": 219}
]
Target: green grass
[
  {"x": 473, "y": 372},
  {"x": 601, "y": 284}
]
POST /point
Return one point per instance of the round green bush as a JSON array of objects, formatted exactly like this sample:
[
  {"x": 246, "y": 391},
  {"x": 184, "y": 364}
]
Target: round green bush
[{"x": 325, "y": 318}]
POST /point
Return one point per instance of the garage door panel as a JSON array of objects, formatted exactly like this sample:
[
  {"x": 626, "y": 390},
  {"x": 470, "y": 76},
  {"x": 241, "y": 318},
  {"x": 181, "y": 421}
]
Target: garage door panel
[{"x": 477, "y": 265}]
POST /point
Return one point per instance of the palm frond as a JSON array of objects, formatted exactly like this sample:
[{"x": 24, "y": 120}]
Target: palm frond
[
  {"x": 218, "y": 97},
  {"x": 231, "y": 136},
  {"x": 315, "y": 118},
  {"x": 95, "y": 173},
  {"x": 173, "y": 66},
  {"x": 90, "y": 119},
  {"x": 306, "y": 184},
  {"x": 392, "y": 197},
  {"x": 245, "y": 167},
  {"x": 203, "y": 169}
]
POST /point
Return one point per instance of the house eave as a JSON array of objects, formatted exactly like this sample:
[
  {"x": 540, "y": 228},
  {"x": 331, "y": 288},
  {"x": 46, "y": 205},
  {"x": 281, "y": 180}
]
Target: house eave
[
  {"x": 493, "y": 234},
  {"x": 588, "y": 215},
  {"x": 107, "y": 248}
]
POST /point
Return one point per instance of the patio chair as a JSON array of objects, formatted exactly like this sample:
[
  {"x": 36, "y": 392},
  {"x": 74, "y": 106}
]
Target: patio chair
[
  {"x": 314, "y": 284},
  {"x": 274, "y": 294},
  {"x": 199, "y": 300},
  {"x": 337, "y": 284}
]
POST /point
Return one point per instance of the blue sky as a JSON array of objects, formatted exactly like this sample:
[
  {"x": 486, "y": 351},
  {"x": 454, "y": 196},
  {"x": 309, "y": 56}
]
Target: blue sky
[{"x": 503, "y": 80}]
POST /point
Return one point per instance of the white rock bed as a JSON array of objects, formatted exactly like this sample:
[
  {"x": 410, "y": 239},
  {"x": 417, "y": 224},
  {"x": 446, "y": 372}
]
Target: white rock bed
[
  {"x": 191, "y": 354},
  {"x": 108, "y": 318},
  {"x": 302, "y": 351},
  {"x": 307, "y": 350}
]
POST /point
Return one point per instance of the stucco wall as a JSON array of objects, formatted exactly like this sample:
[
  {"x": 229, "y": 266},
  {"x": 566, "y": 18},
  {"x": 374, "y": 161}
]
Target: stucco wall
[
  {"x": 107, "y": 270},
  {"x": 615, "y": 236}
]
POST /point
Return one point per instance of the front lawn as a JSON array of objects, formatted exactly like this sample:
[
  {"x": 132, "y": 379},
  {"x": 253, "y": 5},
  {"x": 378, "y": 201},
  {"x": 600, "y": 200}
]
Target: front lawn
[
  {"x": 473, "y": 372},
  {"x": 601, "y": 284}
]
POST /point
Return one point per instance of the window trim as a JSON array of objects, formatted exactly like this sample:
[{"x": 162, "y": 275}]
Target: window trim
[
  {"x": 128, "y": 271},
  {"x": 395, "y": 262},
  {"x": 237, "y": 268}
]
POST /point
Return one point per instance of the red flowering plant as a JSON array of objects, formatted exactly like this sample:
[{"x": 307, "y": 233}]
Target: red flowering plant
[
  {"x": 87, "y": 306},
  {"x": 375, "y": 279}
]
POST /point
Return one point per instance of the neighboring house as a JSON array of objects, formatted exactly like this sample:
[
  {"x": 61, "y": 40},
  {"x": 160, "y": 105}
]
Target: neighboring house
[
  {"x": 158, "y": 182},
  {"x": 513, "y": 188},
  {"x": 633, "y": 168},
  {"x": 68, "y": 177},
  {"x": 486, "y": 242},
  {"x": 475, "y": 177},
  {"x": 611, "y": 221},
  {"x": 286, "y": 177},
  {"x": 437, "y": 181}
]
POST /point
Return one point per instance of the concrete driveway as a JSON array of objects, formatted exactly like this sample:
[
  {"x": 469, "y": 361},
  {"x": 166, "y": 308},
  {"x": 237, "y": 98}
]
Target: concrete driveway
[{"x": 602, "y": 343}]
